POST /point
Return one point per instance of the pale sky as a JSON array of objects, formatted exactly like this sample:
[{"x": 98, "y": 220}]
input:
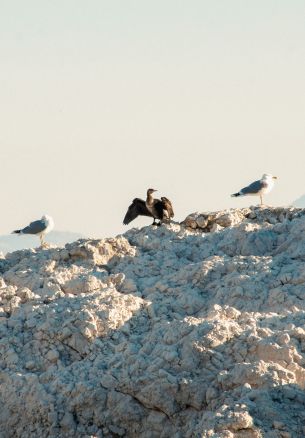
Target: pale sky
[{"x": 100, "y": 100}]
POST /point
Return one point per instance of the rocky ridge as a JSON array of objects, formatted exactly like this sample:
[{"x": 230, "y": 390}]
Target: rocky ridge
[{"x": 184, "y": 330}]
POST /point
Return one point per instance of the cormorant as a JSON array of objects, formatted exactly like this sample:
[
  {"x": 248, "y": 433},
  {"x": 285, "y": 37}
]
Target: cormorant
[{"x": 160, "y": 209}]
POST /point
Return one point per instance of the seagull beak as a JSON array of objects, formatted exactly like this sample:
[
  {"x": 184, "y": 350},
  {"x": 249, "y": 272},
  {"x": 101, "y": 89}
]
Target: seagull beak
[
  {"x": 155, "y": 190},
  {"x": 274, "y": 177}
]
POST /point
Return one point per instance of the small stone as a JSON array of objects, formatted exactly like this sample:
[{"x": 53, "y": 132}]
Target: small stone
[
  {"x": 278, "y": 425},
  {"x": 52, "y": 355}
]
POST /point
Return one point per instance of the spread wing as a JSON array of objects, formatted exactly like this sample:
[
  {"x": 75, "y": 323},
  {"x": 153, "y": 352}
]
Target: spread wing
[
  {"x": 137, "y": 208},
  {"x": 253, "y": 188},
  {"x": 167, "y": 205}
]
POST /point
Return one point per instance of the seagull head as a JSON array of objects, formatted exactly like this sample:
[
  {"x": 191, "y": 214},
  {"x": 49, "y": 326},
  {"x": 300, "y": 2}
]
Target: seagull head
[
  {"x": 268, "y": 177},
  {"x": 48, "y": 220}
]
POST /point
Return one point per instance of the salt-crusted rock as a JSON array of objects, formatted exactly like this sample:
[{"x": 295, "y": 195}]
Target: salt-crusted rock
[
  {"x": 209, "y": 221},
  {"x": 190, "y": 330},
  {"x": 229, "y": 218}
]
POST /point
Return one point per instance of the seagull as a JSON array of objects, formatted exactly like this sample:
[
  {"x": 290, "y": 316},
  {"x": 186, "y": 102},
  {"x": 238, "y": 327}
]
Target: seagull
[
  {"x": 40, "y": 228},
  {"x": 260, "y": 187},
  {"x": 155, "y": 208}
]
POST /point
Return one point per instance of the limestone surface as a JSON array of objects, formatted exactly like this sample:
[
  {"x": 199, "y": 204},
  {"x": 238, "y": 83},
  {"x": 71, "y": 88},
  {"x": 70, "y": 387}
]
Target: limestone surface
[{"x": 185, "y": 330}]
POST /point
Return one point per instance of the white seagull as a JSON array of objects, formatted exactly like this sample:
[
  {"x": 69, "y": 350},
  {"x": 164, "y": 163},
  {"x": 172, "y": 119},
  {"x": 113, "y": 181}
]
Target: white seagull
[
  {"x": 40, "y": 228},
  {"x": 260, "y": 187}
]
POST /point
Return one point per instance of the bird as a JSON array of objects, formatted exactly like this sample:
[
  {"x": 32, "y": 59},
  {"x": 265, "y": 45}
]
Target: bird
[
  {"x": 160, "y": 209},
  {"x": 39, "y": 228},
  {"x": 260, "y": 187}
]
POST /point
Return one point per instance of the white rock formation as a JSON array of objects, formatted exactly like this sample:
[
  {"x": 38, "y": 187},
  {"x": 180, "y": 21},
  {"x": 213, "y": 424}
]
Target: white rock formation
[{"x": 191, "y": 330}]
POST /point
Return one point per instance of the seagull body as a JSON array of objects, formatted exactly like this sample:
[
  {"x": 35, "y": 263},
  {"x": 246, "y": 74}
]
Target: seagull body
[
  {"x": 39, "y": 228},
  {"x": 258, "y": 188},
  {"x": 156, "y": 208}
]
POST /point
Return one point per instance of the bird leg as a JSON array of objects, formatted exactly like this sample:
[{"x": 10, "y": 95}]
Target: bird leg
[
  {"x": 261, "y": 197},
  {"x": 156, "y": 223},
  {"x": 43, "y": 244}
]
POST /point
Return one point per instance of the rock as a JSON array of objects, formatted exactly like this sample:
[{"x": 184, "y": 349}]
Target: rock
[
  {"x": 183, "y": 330},
  {"x": 52, "y": 355}
]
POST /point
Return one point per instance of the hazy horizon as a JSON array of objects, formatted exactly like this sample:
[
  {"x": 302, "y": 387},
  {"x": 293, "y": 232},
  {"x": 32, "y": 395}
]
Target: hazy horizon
[
  {"x": 14, "y": 242},
  {"x": 101, "y": 100}
]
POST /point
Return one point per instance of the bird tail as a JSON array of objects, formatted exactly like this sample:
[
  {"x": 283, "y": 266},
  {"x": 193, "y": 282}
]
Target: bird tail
[
  {"x": 235, "y": 195},
  {"x": 16, "y": 232}
]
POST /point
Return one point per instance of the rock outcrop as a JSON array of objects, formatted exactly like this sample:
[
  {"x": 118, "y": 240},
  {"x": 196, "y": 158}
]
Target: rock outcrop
[{"x": 184, "y": 330}]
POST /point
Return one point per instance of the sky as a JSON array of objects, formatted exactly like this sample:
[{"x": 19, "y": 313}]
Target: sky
[{"x": 100, "y": 100}]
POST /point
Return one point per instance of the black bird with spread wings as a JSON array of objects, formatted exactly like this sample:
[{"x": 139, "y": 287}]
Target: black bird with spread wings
[{"x": 160, "y": 209}]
